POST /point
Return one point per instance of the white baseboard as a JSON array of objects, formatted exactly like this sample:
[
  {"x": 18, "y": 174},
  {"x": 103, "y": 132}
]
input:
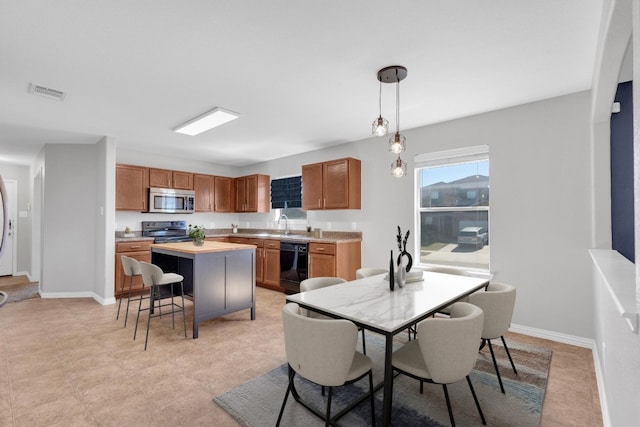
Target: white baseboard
[
  {"x": 23, "y": 273},
  {"x": 579, "y": 342},
  {"x": 554, "y": 336},
  {"x": 96, "y": 297}
]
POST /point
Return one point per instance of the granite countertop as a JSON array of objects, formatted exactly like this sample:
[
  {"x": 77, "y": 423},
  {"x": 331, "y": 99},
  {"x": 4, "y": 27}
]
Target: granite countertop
[{"x": 294, "y": 235}]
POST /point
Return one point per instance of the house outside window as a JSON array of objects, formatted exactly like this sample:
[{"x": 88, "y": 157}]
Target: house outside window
[{"x": 452, "y": 218}]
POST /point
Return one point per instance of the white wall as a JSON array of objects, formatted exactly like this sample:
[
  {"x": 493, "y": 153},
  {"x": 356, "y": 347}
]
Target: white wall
[
  {"x": 617, "y": 351},
  {"x": 104, "y": 220}
]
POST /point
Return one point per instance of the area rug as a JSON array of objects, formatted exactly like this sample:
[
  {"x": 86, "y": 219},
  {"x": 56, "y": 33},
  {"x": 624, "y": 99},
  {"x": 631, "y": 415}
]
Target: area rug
[
  {"x": 18, "y": 290},
  {"x": 257, "y": 403}
]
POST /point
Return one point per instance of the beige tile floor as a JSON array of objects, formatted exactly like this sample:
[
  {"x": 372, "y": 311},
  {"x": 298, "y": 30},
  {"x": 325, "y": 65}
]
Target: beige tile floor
[{"x": 68, "y": 362}]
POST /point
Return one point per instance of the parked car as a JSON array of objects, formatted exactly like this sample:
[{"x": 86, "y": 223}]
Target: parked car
[{"x": 476, "y": 236}]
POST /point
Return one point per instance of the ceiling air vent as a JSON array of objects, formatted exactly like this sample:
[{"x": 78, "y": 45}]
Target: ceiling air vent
[{"x": 46, "y": 92}]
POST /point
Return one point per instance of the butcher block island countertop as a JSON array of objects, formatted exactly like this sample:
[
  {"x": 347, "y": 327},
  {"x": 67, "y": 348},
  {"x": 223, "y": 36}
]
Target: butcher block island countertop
[
  {"x": 207, "y": 247},
  {"x": 219, "y": 277}
]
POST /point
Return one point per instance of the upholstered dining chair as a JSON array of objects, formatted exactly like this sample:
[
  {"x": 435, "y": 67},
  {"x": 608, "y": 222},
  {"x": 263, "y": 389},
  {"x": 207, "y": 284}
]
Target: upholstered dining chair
[
  {"x": 497, "y": 302},
  {"x": 323, "y": 352},
  {"x": 445, "y": 351},
  {"x": 322, "y": 282},
  {"x": 154, "y": 278},
  {"x": 444, "y": 310},
  {"x": 131, "y": 269},
  {"x": 361, "y": 273}
]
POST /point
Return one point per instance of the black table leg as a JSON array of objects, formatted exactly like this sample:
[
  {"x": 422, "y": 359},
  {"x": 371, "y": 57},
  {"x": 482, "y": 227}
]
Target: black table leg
[{"x": 388, "y": 378}]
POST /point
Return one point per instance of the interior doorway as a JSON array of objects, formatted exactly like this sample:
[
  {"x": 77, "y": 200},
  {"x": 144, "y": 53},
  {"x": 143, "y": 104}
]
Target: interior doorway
[{"x": 8, "y": 253}]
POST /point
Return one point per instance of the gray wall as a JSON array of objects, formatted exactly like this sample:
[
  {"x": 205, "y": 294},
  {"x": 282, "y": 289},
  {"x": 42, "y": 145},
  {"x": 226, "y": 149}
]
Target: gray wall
[
  {"x": 540, "y": 202},
  {"x": 68, "y": 219}
]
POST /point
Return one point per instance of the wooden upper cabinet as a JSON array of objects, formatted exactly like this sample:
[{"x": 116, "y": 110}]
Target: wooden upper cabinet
[
  {"x": 182, "y": 180},
  {"x": 165, "y": 178},
  {"x": 204, "y": 189},
  {"x": 312, "y": 197},
  {"x": 335, "y": 184},
  {"x": 132, "y": 183},
  {"x": 222, "y": 194},
  {"x": 252, "y": 193}
]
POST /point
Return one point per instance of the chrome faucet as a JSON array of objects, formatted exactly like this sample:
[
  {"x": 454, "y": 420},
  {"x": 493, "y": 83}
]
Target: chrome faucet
[{"x": 286, "y": 223}]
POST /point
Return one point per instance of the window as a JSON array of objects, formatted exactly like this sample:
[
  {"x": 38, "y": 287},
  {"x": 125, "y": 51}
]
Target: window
[
  {"x": 286, "y": 198},
  {"x": 453, "y": 208}
]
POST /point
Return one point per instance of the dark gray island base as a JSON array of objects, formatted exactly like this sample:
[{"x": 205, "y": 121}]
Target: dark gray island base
[{"x": 218, "y": 277}]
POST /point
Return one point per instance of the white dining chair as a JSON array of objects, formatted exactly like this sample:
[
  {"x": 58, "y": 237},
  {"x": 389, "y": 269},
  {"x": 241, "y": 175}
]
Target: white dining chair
[
  {"x": 322, "y": 282},
  {"x": 497, "y": 302},
  {"x": 323, "y": 352},
  {"x": 361, "y": 273},
  {"x": 445, "y": 351}
]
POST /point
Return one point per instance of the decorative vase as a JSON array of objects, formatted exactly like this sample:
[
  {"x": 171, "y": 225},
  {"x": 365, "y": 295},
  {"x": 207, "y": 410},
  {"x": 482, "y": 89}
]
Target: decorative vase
[
  {"x": 402, "y": 272},
  {"x": 391, "y": 273},
  {"x": 198, "y": 242},
  {"x": 409, "y": 260}
]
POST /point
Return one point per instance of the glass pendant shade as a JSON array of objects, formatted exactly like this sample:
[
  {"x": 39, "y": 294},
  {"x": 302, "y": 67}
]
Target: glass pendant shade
[
  {"x": 397, "y": 143},
  {"x": 398, "y": 168},
  {"x": 380, "y": 126}
]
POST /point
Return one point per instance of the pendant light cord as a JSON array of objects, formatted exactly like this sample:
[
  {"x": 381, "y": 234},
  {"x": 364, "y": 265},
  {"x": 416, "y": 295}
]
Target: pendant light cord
[
  {"x": 397, "y": 103},
  {"x": 380, "y": 100}
]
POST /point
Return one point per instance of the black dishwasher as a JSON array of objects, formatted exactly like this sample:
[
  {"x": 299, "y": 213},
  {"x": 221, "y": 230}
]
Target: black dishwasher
[{"x": 294, "y": 264}]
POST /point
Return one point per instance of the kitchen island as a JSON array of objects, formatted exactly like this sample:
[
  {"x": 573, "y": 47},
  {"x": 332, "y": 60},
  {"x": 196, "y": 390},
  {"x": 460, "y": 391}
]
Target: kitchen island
[{"x": 219, "y": 277}]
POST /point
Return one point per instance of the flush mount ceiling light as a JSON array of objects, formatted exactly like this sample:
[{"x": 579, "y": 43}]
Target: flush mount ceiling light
[
  {"x": 209, "y": 120},
  {"x": 397, "y": 143}
]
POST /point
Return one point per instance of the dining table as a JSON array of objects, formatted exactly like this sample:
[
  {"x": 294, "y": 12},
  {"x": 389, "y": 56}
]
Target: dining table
[{"x": 371, "y": 304}]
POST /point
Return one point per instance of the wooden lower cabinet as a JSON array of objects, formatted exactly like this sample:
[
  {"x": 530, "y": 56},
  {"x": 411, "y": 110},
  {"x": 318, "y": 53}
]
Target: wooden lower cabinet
[
  {"x": 271, "y": 266},
  {"x": 267, "y": 261},
  {"x": 137, "y": 249},
  {"x": 340, "y": 259},
  {"x": 258, "y": 243}
]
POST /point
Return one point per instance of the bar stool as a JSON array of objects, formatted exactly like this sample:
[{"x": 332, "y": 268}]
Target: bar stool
[
  {"x": 131, "y": 269},
  {"x": 155, "y": 278}
]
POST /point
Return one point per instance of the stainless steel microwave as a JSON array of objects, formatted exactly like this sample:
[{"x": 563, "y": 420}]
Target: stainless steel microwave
[{"x": 167, "y": 200}]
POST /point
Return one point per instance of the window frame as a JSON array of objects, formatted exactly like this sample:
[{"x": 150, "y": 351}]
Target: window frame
[{"x": 441, "y": 159}]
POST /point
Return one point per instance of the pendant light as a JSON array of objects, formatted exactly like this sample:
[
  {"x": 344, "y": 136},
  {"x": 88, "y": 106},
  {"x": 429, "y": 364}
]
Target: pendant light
[
  {"x": 398, "y": 168},
  {"x": 397, "y": 143},
  {"x": 380, "y": 126}
]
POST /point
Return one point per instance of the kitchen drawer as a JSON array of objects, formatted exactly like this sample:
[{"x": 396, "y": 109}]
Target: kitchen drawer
[
  {"x": 135, "y": 246},
  {"x": 258, "y": 242},
  {"x": 322, "y": 248},
  {"x": 241, "y": 240},
  {"x": 216, "y": 239},
  {"x": 272, "y": 244}
]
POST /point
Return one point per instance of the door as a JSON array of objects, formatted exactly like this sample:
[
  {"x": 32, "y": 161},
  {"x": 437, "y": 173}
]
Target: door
[
  {"x": 312, "y": 197},
  {"x": 336, "y": 184},
  {"x": 9, "y": 207}
]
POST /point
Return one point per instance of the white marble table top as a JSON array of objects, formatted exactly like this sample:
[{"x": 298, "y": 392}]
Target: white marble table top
[{"x": 370, "y": 303}]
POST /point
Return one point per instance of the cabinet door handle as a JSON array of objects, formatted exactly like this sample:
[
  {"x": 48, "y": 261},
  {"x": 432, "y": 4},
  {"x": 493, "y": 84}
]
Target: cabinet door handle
[
  {"x": 321, "y": 249},
  {"x": 135, "y": 247}
]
